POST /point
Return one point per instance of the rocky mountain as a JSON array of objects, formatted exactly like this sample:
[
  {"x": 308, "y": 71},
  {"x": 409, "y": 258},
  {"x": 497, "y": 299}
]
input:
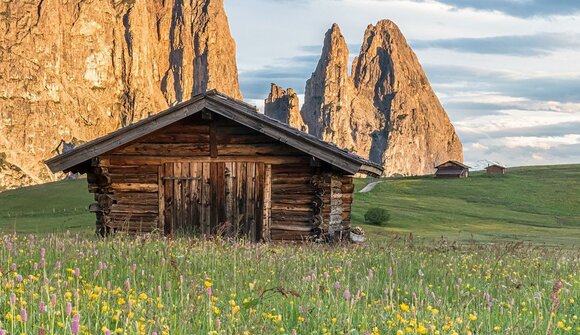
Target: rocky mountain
[
  {"x": 385, "y": 109},
  {"x": 71, "y": 71},
  {"x": 284, "y": 106}
]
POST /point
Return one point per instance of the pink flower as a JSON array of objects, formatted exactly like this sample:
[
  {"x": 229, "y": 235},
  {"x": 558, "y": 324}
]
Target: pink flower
[
  {"x": 23, "y": 315},
  {"x": 53, "y": 299},
  {"x": 77, "y": 272},
  {"x": 75, "y": 324},
  {"x": 68, "y": 308},
  {"x": 42, "y": 252},
  {"x": 42, "y": 307},
  {"x": 12, "y": 298},
  {"x": 337, "y": 285},
  {"x": 346, "y": 294}
]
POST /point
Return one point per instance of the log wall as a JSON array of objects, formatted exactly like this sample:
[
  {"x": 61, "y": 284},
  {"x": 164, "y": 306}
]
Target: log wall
[{"x": 144, "y": 185}]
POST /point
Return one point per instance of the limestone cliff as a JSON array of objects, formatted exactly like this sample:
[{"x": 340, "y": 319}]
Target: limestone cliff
[
  {"x": 385, "y": 110},
  {"x": 79, "y": 69},
  {"x": 284, "y": 106}
]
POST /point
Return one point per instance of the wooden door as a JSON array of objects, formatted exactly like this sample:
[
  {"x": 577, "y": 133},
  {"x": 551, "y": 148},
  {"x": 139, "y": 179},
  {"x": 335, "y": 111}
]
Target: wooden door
[{"x": 225, "y": 198}]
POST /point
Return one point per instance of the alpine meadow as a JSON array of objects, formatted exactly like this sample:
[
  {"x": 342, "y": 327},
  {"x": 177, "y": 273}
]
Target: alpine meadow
[{"x": 307, "y": 167}]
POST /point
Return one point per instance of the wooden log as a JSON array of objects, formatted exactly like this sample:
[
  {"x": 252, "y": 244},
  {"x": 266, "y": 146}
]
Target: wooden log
[
  {"x": 134, "y": 187},
  {"x": 291, "y": 227},
  {"x": 164, "y": 149}
]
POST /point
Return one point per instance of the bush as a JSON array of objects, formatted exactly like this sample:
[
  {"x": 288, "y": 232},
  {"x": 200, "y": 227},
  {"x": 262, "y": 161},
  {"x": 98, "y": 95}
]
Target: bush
[{"x": 377, "y": 217}]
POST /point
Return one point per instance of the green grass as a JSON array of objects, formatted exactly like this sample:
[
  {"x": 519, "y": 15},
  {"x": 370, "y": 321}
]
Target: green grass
[
  {"x": 535, "y": 204},
  {"x": 48, "y": 208},
  {"x": 141, "y": 285}
]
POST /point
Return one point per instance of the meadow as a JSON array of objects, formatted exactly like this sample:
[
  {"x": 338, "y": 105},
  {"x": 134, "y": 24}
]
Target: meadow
[
  {"x": 484, "y": 255},
  {"x": 68, "y": 284}
]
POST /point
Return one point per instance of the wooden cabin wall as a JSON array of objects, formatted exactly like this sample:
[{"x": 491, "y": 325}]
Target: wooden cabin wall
[{"x": 128, "y": 182}]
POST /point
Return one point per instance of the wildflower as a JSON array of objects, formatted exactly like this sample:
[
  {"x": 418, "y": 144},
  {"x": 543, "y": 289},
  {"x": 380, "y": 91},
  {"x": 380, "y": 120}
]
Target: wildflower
[
  {"x": 346, "y": 294},
  {"x": 75, "y": 324},
  {"x": 68, "y": 308},
  {"x": 404, "y": 307},
  {"x": 23, "y": 315},
  {"x": 472, "y": 317},
  {"x": 207, "y": 284}
]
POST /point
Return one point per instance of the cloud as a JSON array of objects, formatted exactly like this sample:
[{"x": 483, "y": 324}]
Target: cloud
[
  {"x": 291, "y": 72},
  {"x": 519, "y": 8},
  {"x": 562, "y": 89},
  {"x": 539, "y": 44}
]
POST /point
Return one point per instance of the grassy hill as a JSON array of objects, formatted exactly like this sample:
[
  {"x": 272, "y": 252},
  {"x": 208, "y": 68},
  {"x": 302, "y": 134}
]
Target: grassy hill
[{"x": 537, "y": 204}]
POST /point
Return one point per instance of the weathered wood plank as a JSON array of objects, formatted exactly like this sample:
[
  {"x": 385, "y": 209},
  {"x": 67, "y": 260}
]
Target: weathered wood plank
[
  {"x": 160, "y": 198},
  {"x": 134, "y": 187},
  {"x": 267, "y": 207}
]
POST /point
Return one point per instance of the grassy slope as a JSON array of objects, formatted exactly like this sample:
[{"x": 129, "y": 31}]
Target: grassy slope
[
  {"x": 54, "y": 207},
  {"x": 539, "y": 204}
]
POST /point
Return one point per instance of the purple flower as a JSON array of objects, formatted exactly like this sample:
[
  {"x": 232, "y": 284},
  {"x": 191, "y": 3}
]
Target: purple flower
[
  {"x": 346, "y": 294},
  {"x": 19, "y": 278},
  {"x": 43, "y": 263},
  {"x": 53, "y": 299},
  {"x": 108, "y": 332},
  {"x": 42, "y": 252},
  {"x": 390, "y": 271},
  {"x": 41, "y": 307},
  {"x": 68, "y": 308},
  {"x": 2, "y": 332},
  {"x": 337, "y": 285},
  {"x": 75, "y": 324},
  {"x": 23, "y": 315},
  {"x": 77, "y": 272},
  {"x": 12, "y": 298}
]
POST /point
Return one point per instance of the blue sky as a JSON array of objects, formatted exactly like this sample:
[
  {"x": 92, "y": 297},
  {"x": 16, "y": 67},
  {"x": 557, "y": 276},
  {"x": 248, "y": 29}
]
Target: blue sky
[{"x": 507, "y": 71}]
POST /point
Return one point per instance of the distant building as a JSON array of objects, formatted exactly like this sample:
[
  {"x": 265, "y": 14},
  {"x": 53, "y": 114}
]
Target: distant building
[
  {"x": 452, "y": 169},
  {"x": 496, "y": 169}
]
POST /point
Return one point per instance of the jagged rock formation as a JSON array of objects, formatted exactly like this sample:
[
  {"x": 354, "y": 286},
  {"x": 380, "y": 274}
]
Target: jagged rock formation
[
  {"x": 385, "y": 110},
  {"x": 80, "y": 69},
  {"x": 12, "y": 175},
  {"x": 284, "y": 106}
]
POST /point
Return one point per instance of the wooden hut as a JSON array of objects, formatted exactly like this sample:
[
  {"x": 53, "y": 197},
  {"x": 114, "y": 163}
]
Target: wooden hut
[
  {"x": 452, "y": 169},
  {"x": 496, "y": 169},
  {"x": 214, "y": 165}
]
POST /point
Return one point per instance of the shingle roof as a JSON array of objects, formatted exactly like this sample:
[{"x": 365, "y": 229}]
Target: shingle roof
[{"x": 228, "y": 107}]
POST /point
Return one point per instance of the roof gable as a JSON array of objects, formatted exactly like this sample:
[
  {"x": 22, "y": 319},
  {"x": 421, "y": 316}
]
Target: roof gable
[
  {"x": 456, "y": 163},
  {"x": 235, "y": 110}
]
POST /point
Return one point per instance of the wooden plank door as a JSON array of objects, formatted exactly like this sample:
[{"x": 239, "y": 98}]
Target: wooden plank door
[{"x": 225, "y": 198}]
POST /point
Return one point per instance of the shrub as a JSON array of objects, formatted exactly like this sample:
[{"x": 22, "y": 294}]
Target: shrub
[{"x": 377, "y": 216}]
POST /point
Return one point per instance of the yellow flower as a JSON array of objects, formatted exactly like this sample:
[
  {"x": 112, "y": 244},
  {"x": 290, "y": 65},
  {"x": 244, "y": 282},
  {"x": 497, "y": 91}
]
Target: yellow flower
[
  {"x": 207, "y": 283},
  {"x": 472, "y": 317},
  {"x": 404, "y": 307},
  {"x": 300, "y": 319}
]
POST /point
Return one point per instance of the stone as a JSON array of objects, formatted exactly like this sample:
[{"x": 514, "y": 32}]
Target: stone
[
  {"x": 284, "y": 106},
  {"x": 385, "y": 110},
  {"x": 81, "y": 69}
]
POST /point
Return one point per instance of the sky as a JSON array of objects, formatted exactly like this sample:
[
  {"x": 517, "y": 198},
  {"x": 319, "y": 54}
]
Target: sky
[{"x": 506, "y": 71}]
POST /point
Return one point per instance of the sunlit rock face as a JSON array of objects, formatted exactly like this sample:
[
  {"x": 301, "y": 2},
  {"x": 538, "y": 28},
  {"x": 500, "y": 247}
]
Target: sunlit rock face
[
  {"x": 284, "y": 106},
  {"x": 71, "y": 71},
  {"x": 385, "y": 109}
]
